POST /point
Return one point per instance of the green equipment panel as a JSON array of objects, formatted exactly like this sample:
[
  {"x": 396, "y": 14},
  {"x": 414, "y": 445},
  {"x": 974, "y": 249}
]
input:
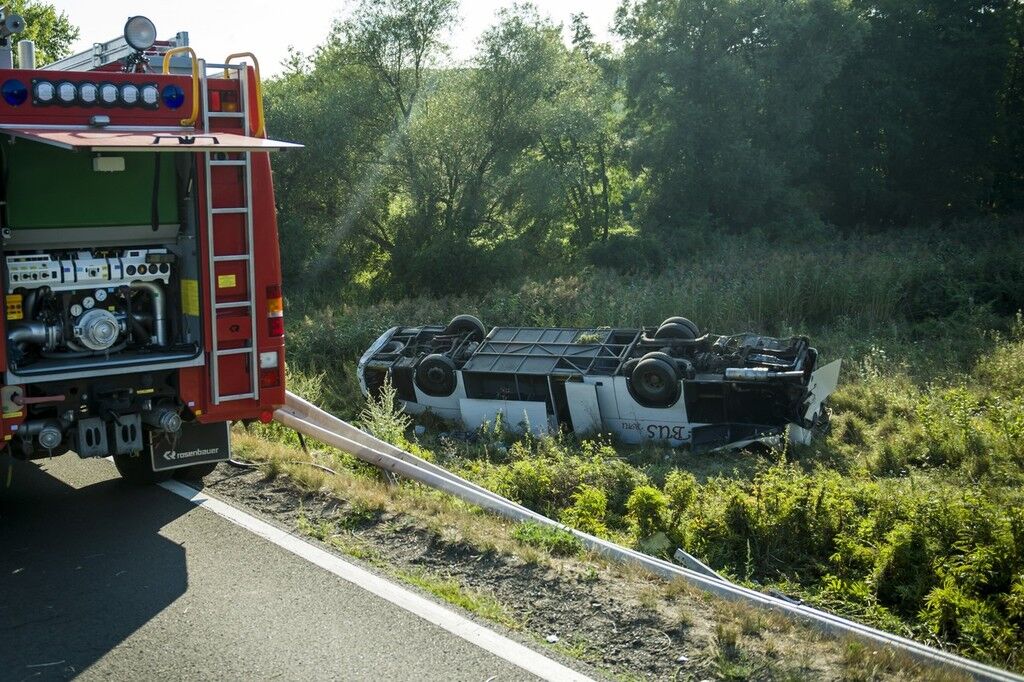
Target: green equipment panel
[{"x": 49, "y": 187}]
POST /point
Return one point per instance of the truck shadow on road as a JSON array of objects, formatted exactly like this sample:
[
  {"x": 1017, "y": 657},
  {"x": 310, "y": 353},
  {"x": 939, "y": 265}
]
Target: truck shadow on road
[{"x": 80, "y": 569}]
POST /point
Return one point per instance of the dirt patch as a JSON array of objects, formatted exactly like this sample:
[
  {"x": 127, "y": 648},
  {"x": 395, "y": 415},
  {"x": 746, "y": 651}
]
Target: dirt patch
[{"x": 622, "y": 624}]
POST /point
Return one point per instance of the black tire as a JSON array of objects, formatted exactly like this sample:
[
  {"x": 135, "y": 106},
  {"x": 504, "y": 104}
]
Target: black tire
[
  {"x": 686, "y": 323},
  {"x": 654, "y": 381},
  {"x": 674, "y": 330},
  {"x": 435, "y": 375},
  {"x": 138, "y": 469},
  {"x": 467, "y": 324},
  {"x": 394, "y": 347},
  {"x": 196, "y": 472}
]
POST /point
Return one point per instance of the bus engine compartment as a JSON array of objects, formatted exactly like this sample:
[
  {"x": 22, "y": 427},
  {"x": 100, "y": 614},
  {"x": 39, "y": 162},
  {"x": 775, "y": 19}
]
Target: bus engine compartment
[{"x": 670, "y": 383}]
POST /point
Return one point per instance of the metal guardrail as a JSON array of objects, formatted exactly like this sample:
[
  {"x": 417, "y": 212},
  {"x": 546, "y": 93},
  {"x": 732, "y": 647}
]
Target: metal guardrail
[{"x": 310, "y": 420}]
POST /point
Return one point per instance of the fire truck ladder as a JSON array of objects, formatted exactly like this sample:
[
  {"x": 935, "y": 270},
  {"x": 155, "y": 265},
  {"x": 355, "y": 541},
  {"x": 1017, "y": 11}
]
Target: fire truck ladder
[{"x": 215, "y": 216}]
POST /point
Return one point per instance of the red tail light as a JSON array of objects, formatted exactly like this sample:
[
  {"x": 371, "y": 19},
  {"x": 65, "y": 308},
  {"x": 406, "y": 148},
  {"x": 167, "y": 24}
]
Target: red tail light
[
  {"x": 275, "y": 311},
  {"x": 270, "y": 378}
]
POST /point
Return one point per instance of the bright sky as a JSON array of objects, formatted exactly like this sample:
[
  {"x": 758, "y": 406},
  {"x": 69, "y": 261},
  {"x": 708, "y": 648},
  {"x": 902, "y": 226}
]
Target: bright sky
[{"x": 219, "y": 27}]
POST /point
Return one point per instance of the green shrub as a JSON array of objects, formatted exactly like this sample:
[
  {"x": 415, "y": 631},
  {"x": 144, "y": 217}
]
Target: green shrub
[
  {"x": 904, "y": 573},
  {"x": 588, "y": 511},
  {"x": 528, "y": 482},
  {"x": 647, "y": 508},
  {"x": 1002, "y": 371},
  {"x": 556, "y": 541},
  {"x": 681, "y": 489},
  {"x": 629, "y": 253},
  {"x": 383, "y": 417}
]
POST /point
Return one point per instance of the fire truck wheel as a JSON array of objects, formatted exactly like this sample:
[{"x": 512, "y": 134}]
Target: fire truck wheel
[
  {"x": 674, "y": 330},
  {"x": 685, "y": 322},
  {"x": 195, "y": 472},
  {"x": 654, "y": 382},
  {"x": 138, "y": 469},
  {"x": 467, "y": 324},
  {"x": 435, "y": 375}
]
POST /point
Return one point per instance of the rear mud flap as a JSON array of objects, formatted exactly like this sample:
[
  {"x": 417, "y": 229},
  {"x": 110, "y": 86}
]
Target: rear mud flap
[{"x": 194, "y": 444}]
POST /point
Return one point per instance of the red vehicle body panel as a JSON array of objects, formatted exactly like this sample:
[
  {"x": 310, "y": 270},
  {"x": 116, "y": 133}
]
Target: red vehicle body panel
[{"x": 140, "y": 129}]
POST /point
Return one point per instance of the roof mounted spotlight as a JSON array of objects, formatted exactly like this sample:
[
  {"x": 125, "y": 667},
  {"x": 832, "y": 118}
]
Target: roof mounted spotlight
[
  {"x": 139, "y": 33},
  {"x": 10, "y": 24}
]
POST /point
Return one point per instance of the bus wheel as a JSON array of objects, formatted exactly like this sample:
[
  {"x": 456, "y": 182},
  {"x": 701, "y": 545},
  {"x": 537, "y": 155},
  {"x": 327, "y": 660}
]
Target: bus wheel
[
  {"x": 685, "y": 322},
  {"x": 654, "y": 381},
  {"x": 467, "y": 324},
  {"x": 674, "y": 330},
  {"x": 137, "y": 469},
  {"x": 195, "y": 472},
  {"x": 435, "y": 375}
]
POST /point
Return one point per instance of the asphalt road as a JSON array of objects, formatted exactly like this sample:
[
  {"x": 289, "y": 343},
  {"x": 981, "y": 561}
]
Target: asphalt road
[{"x": 103, "y": 580}]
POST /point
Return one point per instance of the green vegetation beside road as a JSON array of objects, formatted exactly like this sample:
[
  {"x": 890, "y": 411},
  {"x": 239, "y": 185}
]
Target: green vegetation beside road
[
  {"x": 846, "y": 169},
  {"x": 909, "y": 515}
]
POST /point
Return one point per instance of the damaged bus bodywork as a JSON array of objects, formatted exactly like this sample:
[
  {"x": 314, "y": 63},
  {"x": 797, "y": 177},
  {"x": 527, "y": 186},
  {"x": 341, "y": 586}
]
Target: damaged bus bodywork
[{"x": 669, "y": 383}]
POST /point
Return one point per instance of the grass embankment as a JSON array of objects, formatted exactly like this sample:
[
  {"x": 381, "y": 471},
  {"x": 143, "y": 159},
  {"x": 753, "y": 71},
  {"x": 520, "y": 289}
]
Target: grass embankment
[
  {"x": 538, "y": 581},
  {"x": 909, "y": 515}
]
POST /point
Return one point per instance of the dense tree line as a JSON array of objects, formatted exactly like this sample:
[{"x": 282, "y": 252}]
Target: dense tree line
[{"x": 552, "y": 150}]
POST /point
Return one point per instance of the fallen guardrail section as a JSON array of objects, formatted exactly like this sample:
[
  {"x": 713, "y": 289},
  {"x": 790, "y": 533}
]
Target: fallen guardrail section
[{"x": 310, "y": 420}]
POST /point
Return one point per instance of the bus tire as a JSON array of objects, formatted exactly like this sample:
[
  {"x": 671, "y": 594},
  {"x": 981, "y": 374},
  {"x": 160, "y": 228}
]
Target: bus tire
[
  {"x": 435, "y": 375},
  {"x": 674, "y": 330},
  {"x": 686, "y": 323},
  {"x": 654, "y": 381},
  {"x": 467, "y": 324}
]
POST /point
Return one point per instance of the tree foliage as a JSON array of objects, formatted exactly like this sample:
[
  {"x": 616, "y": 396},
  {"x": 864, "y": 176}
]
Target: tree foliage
[
  {"x": 51, "y": 29},
  {"x": 550, "y": 151}
]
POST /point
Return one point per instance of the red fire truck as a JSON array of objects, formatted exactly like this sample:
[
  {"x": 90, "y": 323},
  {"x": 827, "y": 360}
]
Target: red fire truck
[{"x": 143, "y": 308}]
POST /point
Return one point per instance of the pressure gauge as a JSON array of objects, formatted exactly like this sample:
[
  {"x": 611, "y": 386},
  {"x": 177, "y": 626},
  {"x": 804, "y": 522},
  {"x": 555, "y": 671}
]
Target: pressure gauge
[
  {"x": 76, "y": 310},
  {"x": 101, "y": 295},
  {"x": 89, "y": 302}
]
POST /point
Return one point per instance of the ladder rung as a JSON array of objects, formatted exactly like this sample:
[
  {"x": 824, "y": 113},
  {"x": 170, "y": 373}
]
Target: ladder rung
[
  {"x": 226, "y": 114},
  {"x": 223, "y": 211},
  {"x": 227, "y": 162},
  {"x": 223, "y": 259},
  {"x": 238, "y": 396},
  {"x": 234, "y": 351},
  {"x": 221, "y": 67},
  {"x": 234, "y": 304}
]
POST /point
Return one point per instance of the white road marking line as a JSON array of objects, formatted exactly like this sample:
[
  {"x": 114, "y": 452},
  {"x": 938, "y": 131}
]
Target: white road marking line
[{"x": 460, "y": 626}]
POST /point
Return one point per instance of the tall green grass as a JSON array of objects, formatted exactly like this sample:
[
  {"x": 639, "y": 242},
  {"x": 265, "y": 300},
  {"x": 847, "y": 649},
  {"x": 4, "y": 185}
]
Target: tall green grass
[
  {"x": 922, "y": 297},
  {"x": 909, "y": 515}
]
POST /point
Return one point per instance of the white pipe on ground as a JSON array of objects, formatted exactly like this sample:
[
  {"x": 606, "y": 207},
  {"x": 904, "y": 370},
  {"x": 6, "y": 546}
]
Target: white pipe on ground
[{"x": 315, "y": 423}]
